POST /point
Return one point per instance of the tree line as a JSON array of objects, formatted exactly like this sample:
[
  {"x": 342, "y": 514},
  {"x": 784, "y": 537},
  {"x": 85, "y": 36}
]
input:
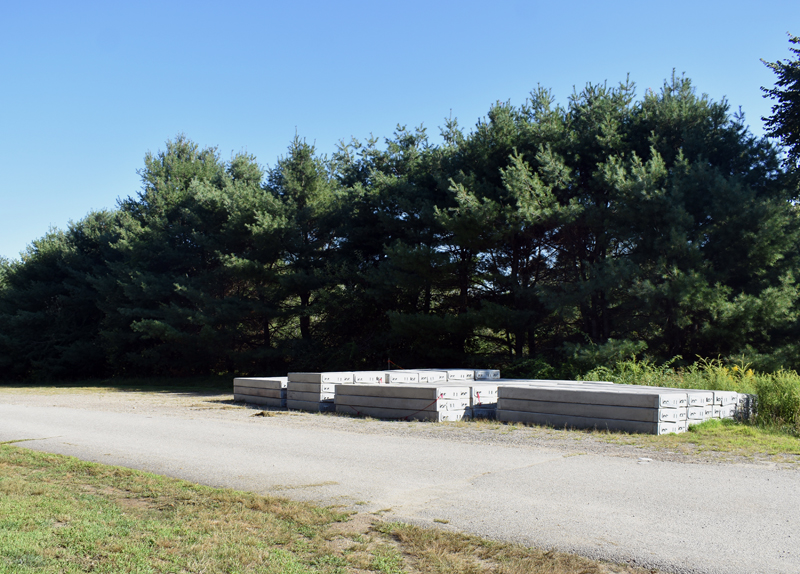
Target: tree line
[{"x": 545, "y": 239}]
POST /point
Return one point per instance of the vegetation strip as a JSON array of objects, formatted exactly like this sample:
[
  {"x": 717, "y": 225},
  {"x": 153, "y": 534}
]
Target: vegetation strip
[{"x": 60, "y": 514}]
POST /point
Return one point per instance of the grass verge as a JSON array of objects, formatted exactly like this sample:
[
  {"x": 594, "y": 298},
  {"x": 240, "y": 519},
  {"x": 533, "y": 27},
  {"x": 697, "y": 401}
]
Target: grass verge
[
  {"x": 60, "y": 514},
  {"x": 723, "y": 436}
]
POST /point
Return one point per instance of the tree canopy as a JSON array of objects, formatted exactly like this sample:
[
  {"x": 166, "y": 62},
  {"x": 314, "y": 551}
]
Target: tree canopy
[{"x": 557, "y": 235}]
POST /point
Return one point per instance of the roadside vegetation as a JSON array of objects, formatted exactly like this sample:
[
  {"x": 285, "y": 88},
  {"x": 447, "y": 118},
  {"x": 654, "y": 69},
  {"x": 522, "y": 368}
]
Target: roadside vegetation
[
  {"x": 723, "y": 438},
  {"x": 62, "y": 515},
  {"x": 778, "y": 392}
]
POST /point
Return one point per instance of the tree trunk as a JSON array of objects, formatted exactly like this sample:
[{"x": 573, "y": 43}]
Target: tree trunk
[{"x": 305, "y": 320}]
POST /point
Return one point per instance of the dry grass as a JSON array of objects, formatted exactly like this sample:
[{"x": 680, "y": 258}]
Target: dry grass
[
  {"x": 434, "y": 551},
  {"x": 59, "y": 514}
]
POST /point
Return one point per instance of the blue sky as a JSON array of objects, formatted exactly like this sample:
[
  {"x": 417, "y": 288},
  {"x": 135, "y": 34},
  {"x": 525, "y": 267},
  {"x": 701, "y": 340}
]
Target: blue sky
[{"x": 87, "y": 88}]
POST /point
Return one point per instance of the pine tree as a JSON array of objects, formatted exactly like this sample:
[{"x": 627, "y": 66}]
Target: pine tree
[{"x": 784, "y": 123}]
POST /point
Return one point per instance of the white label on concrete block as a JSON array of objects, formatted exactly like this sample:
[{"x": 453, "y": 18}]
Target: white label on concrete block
[
  {"x": 405, "y": 377},
  {"x": 700, "y": 398},
  {"x": 460, "y": 375},
  {"x": 433, "y": 377},
  {"x": 370, "y": 377},
  {"x": 696, "y": 413},
  {"x": 326, "y": 377},
  {"x": 724, "y": 398}
]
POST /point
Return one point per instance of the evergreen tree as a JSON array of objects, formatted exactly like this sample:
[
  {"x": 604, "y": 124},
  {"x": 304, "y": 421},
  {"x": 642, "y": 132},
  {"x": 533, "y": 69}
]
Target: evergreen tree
[
  {"x": 49, "y": 320},
  {"x": 175, "y": 305},
  {"x": 784, "y": 123}
]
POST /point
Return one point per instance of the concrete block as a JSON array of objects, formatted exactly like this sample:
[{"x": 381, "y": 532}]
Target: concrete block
[
  {"x": 262, "y": 401},
  {"x": 699, "y": 398},
  {"x": 724, "y": 398},
  {"x": 310, "y": 406},
  {"x": 404, "y": 377},
  {"x": 402, "y": 403},
  {"x": 268, "y": 393},
  {"x": 311, "y": 387},
  {"x": 431, "y": 377},
  {"x": 486, "y": 390},
  {"x": 483, "y": 401},
  {"x": 457, "y": 389},
  {"x": 327, "y": 377},
  {"x": 457, "y": 375},
  {"x": 401, "y": 414},
  {"x": 310, "y": 397},
  {"x": 486, "y": 374},
  {"x": 565, "y": 421},
  {"x": 728, "y": 411},
  {"x": 370, "y": 377},
  {"x": 261, "y": 382},
  {"x": 483, "y": 394},
  {"x": 697, "y": 413},
  {"x": 531, "y": 382},
  {"x": 408, "y": 391},
  {"x": 747, "y": 408},
  {"x": 622, "y": 398},
  {"x": 644, "y": 414}
]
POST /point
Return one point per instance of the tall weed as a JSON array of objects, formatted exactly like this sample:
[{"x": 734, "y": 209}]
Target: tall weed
[{"x": 778, "y": 393}]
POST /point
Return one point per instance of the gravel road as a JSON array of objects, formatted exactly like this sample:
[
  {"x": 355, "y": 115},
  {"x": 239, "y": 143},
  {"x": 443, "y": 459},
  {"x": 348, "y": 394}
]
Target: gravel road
[{"x": 541, "y": 487}]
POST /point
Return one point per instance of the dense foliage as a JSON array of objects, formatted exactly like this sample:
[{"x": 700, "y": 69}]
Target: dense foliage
[{"x": 547, "y": 238}]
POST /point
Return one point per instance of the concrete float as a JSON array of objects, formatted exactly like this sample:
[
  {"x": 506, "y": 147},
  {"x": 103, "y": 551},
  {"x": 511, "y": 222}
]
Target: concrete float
[
  {"x": 262, "y": 391},
  {"x": 597, "y": 396},
  {"x": 594, "y": 406},
  {"x": 403, "y": 401},
  {"x": 566, "y": 421},
  {"x": 314, "y": 392}
]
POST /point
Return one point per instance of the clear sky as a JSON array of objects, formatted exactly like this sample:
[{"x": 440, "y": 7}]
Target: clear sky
[{"x": 87, "y": 88}]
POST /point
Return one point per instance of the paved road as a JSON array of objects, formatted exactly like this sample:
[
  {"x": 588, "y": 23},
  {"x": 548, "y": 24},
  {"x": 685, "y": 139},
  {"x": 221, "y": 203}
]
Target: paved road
[{"x": 682, "y": 517}]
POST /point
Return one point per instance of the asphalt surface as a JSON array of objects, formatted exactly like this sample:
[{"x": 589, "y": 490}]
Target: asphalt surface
[{"x": 679, "y": 517}]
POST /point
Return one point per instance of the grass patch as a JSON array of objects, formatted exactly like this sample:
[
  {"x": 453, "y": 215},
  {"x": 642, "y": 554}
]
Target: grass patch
[
  {"x": 725, "y": 436},
  {"x": 59, "y": 514}
]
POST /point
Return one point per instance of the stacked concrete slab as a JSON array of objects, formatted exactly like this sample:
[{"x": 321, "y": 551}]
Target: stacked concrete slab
[
  {"x": 639, "y": 410},
  {"x": 403, "y": 401},
  {"x": 314, "y": 392},
  {"x": 453, "y": 394},
  {"x": 483, "y": 399},
  {"x": 263, "y": 391}
]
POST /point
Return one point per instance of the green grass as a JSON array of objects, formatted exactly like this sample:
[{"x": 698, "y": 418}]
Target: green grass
[
  {"x": 61, "y": 515},
  {"x": 721, "y": 436}
]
